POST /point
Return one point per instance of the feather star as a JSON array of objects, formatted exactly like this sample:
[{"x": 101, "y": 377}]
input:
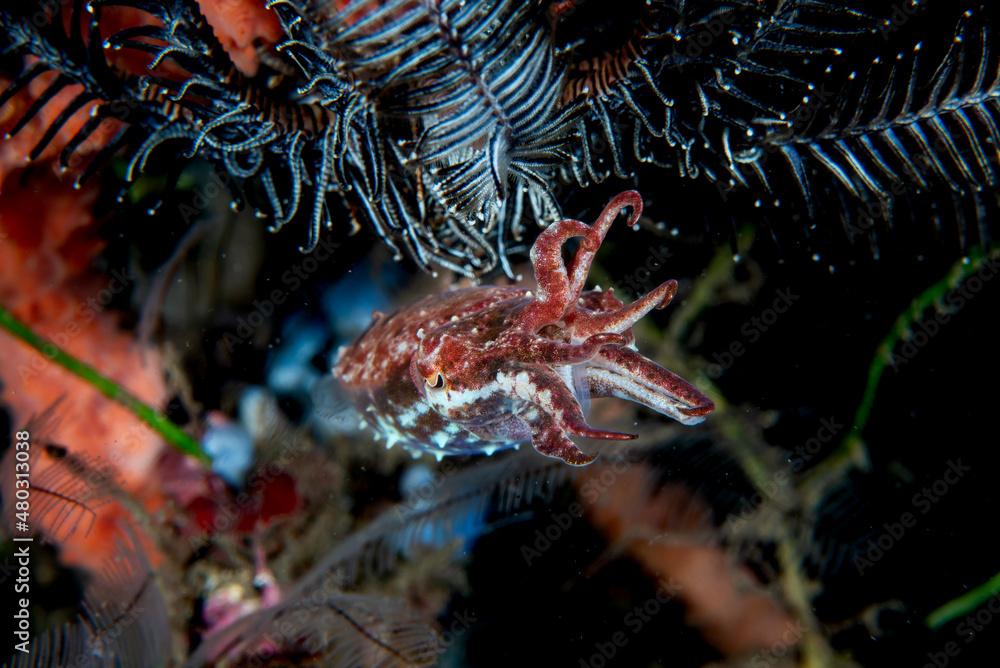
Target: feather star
[{"x": 480, "y": 369}]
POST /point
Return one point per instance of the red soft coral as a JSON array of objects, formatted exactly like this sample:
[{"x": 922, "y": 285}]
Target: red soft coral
[
  {"x": 48, "y": 242},
  {"x": 242, "y": 26}
]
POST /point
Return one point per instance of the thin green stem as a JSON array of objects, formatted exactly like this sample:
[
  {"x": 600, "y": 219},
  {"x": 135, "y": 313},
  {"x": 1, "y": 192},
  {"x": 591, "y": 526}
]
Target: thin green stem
[
  {"x": 884, "y": 354},
  {"x": 853, "y": 448},
  {"x": 964, "y": 604},
  {"x": 170, "y": 432}
]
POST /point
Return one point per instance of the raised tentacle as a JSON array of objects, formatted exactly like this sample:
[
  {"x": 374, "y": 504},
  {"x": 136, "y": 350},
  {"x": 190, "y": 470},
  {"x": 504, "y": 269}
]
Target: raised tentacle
[
  {"x": 560, "y": 286},
  {"x": 554, "y": 294},
  {"x": 579, "y": 267},
  {"x": 583, "y": 324}
]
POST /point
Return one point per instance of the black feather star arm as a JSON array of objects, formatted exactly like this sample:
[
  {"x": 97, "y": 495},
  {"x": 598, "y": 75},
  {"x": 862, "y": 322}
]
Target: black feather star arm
[
  {"x": 911, "y": 124},
  {"x": 795, "y": 107},
  {"x": 71, "y": 61},
  {"x": 305, "y": 140},
  {"x": 351, "y": 158},
  {"x": 443, "y": 124},
  {"x": 471, "y": 94},
  {"x": 285, "y": 146},
  {"x": 292, "y": 144},
  {"x": 689, "y": 84}
]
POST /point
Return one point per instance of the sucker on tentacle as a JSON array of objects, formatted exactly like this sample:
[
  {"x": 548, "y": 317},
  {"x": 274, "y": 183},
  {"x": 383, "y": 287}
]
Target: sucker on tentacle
[{"x": 480, "y": 369}]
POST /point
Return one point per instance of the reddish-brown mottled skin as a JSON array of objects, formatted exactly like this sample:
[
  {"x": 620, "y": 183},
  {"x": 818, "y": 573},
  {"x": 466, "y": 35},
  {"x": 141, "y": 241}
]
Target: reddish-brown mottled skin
[{"x": 480, "y": 369}]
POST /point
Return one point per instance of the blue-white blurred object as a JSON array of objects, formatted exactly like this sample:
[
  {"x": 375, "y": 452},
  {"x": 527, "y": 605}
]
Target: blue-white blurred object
[
  {"x": 348, "y": 303},
  {"x": 290, "y": 370},
  {"x": 299, "y": 367},
  {"x": 258, "y": 412},
  {"x": 332, "y": 413},
  {"x": 417, "y": 480},
  {"x": 231, "y": 450}
]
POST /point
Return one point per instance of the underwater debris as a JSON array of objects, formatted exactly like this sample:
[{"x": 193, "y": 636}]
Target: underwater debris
[
  {"x": 230, "y": 448},
  {"x": 483, "y": 369},
  {"x": 269, "y": 497},
  {"x": 660, "y": 523},
  {"x": 398, "y": 534}
]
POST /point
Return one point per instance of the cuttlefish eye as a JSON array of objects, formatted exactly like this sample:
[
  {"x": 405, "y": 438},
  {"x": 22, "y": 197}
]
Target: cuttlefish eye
[{"x": 436, "y": 382}]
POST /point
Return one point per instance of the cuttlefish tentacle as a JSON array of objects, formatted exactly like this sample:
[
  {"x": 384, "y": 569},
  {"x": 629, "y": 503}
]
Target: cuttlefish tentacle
[
  {"x": 553, "y": 296},
  {"x": 549, "y": 439},
  {"x": 584, "y": 324},
  {"x": 531, "y": 349},
  {"x": 560, "y": 286},
  {"x": 580, "y": 266},
  {"x": 624, "y": 373}
]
